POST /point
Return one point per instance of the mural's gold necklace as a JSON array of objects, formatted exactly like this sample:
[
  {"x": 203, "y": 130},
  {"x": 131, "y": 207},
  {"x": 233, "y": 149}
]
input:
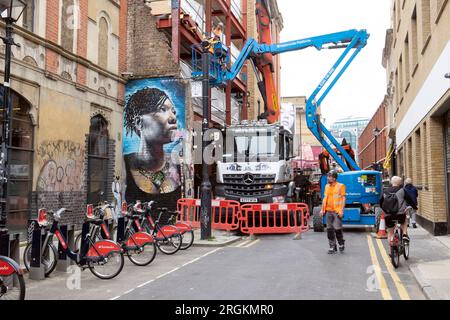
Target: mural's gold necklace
[
  {"x": 143, "y": 181},
  {"x": 156, "y": 177}
]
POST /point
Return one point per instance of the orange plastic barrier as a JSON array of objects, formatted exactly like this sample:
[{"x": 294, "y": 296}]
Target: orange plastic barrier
[
  {"x": 274, "y": 218},
  {"x": 225, "y": 213}
]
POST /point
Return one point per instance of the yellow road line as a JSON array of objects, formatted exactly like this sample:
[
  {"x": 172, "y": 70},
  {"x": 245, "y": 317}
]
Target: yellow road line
[
  {"x": 398, "y": 283},
  {"x": 385, "y": 293},
  {"x": 252, "y": 243}
]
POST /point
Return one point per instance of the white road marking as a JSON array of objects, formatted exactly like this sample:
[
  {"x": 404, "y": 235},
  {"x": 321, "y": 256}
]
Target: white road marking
[
  {"x": 252, "y": 243},
  {"x": 145, "y": 283},
  {"x": 167, "y": 273},
  {"x": 243, "y": 243}
]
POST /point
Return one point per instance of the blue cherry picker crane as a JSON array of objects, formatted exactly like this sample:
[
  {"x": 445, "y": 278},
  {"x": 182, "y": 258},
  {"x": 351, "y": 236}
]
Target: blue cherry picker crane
[{"x": 363, "y": 187}]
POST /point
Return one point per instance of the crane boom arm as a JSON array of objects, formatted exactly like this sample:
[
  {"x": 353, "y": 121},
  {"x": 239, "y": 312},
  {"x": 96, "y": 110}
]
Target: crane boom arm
[
  {"x": 353, "y": 41},
  {"x": 348, "y": 40}
]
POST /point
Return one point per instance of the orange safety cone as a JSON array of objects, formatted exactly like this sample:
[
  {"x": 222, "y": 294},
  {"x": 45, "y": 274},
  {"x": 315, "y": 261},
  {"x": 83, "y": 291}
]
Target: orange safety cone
[{"x": 382, "y": 234}]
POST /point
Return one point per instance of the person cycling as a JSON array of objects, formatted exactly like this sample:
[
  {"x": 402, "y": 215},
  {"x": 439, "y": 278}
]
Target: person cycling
[{"x": 394, "y": 202}]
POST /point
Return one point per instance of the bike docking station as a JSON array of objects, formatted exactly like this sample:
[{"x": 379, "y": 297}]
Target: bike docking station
[
  {"x": 10, "y": 246},
  {"x": 37, "y": 231},
  {"x": 36, "y": 234},
  {"x": 64, "y": 263}
]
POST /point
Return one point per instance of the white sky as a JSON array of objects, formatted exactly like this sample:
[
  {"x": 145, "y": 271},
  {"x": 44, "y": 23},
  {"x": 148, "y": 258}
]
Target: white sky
[{"x": 361, "y": 89}]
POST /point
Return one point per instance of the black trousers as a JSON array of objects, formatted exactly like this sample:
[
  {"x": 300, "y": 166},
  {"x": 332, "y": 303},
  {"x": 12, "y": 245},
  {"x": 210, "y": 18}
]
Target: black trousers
[{"x": 334, "y": 229}]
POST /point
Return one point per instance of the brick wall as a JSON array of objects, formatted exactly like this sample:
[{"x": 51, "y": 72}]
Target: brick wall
[
  {"x": 149, "y": 50},
  {"x": 123, "y": 36},
  {"x": 51, "y": 32},
  {"x": 82, "y": 40},
  {"x": 427, "y": 169},
  {"x": 366, "y": 142}
]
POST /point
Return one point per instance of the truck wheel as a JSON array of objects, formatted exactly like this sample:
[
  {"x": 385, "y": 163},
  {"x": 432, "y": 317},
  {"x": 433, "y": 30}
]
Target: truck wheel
[{"x": 317, "y": 220}]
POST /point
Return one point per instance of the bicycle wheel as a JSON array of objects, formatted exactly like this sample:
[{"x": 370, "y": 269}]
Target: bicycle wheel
[
  {"x": 49, "y": 258},
  {"x": 188, "y": 240},
  {"x": 406, "y": 249},
  {"x": 12, "y": 287},
  {"x": 77, "y": 243},
  {"x": 144, "y": 255},
  {"x": 110, "y": 267},
  {"x": 171, "y": 244},
  {"x": 395, "y": 256}
]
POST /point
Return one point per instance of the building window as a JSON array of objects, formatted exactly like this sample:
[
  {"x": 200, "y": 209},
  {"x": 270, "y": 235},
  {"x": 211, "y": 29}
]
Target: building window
[
  {"x": 414, "y": 41},
  {"x": 68, "y": 25},
  {"x": 103, "y": 34},
  {"x": 397, "y": 94},
  {"x": 29, "y": 15},
  {"x": 394, "y": 18},
  {"x": 409, "y": 169},
  {"x": 440, "y": 4},
  {"x": 426, "y": 23},
  {"x": 425, "y": 153},
  {"x": 407, "y": 61},
  {"x": 400, "y": 163},
  {"x": 401, "y": 77},
  {"x": 418, "y": 157},
  {"x": 20, "y": 162},
  {"x": 98, "y": 160}
]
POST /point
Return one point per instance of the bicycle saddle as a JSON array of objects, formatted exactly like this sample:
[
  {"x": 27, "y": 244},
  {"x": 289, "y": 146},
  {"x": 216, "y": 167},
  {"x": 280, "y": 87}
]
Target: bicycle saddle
[
  {"x": 97, "y": 222},
  {"x": 138, "y": 208},
  {"x": 57, "y": 214}
]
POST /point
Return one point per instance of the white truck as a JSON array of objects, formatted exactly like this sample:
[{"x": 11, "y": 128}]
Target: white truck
[{"x": 257, "y": 163}]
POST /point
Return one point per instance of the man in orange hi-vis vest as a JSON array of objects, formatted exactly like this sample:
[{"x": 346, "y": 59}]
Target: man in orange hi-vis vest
[{"x": 333, "y": 207}]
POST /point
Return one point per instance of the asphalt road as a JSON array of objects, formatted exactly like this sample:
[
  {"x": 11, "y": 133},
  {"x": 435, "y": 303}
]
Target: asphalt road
[{"x": 270, "y": 267}]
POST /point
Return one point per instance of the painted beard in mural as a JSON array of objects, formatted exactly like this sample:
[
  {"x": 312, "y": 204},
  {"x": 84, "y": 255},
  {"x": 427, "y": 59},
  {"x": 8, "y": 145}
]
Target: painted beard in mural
[{"x": 151, "y": 115}]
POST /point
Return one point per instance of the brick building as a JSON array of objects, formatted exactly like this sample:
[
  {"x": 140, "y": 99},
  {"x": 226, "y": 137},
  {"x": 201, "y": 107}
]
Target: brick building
[
  {"x": 416, "y": 58},
  {"x": 256, "y": 104},
  {"x": 304, "y": 136},
  {"x": 68, "y": 96},
  {"x": 159, "y": 63},
  {"x": 239, "y": 99},
  {"x": 372, "y": 142}
]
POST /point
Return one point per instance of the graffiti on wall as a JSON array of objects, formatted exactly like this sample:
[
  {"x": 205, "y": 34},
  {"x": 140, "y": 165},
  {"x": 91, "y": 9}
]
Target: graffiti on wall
[
  {"x": 61, "y": 164},
  {"x": 154, "y": 129}
]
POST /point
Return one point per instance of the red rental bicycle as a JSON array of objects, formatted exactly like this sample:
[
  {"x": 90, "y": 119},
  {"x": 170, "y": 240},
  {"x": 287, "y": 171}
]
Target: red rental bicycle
[
  {"x": 12, "y": 284},
  {"x": 139, "y": 247},
  {"x": 103, "y": 258},
  {"x": 168, "y": 238},
  {"x": 186, "y": 231}
]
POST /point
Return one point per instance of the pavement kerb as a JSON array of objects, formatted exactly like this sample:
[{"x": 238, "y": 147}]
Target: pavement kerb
[
  {"x": 213, "y": 243},
  {"x": 427, "y": 289},
  {"x": 445, "y": 243}
]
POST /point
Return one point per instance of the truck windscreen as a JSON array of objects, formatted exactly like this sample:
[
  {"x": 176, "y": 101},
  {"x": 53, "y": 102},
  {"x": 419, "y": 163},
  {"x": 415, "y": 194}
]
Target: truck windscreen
[{"x": 255, "y": 147}]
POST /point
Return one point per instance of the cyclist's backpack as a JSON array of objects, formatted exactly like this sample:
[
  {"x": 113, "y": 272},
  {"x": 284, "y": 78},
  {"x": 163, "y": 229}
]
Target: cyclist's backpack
[{"x": 390, "y": 203}]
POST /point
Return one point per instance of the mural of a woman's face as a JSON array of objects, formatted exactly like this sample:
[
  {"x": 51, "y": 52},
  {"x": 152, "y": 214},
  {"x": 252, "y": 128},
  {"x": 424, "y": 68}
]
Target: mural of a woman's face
[{"x": 160, "y": 126}]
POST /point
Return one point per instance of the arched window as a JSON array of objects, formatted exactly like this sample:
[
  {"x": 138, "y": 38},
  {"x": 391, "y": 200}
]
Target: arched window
[
  {"x": 20, "y": 161},
  {"x": 98, "y": 160},
  {"x": 103, "y": 34}
]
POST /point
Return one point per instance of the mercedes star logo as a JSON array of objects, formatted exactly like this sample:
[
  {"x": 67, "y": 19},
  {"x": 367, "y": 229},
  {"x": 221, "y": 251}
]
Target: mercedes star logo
[{"x": 248, "y": 179}]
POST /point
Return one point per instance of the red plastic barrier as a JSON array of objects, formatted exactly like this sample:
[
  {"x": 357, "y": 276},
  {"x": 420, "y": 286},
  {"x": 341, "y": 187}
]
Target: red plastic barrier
[
  {"x": 225, "y": 213},
  {"x": 274, "y": 218}
]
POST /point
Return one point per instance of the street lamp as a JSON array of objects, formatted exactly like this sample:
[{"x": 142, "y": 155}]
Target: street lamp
[
  {"x": 376, "y": 133},
  {"x": 10, "y": 11},
  {"x": 206, "y": 188}
]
